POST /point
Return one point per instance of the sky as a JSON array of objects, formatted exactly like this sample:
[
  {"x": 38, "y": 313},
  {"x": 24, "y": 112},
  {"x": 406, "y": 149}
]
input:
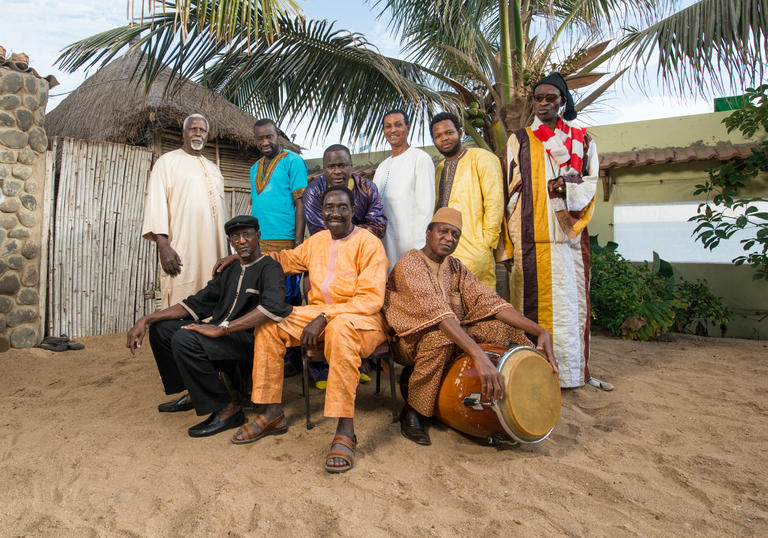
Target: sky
[{"x": 43, "y": 27}]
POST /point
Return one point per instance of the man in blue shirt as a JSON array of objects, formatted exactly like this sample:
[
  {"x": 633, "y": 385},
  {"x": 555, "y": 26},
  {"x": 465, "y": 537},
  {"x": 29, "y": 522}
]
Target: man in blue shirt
[{"x": 278, "y": 181}]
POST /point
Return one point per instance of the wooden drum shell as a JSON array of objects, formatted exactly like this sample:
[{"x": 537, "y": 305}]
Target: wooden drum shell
[{"x": 527, "y": 413}]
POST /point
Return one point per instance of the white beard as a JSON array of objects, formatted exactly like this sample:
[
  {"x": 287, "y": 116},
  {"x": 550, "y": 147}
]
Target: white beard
[{"x": 197, "y": 146}]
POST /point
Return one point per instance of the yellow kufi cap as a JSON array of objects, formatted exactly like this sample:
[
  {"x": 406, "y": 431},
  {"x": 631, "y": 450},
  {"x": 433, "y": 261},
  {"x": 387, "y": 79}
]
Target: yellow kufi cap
[{"x": 448, "y": 215}]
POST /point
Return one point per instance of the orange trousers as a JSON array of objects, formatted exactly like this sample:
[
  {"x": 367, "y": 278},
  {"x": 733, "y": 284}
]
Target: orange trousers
[{"x": 344, "y": 345}]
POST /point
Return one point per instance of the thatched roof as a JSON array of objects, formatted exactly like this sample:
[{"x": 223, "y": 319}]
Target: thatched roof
[{"x": 110, "y": 106}]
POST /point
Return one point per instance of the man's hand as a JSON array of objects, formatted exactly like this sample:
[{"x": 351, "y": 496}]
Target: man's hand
[
  {"x": 556, "y": 187},
  {"x": 221, "y": 263},
  {"x": 169, "y": 260},
  {"x": 206, "y": 329},
  {"x": 544, "y": 344},
  {"x": 311, "y": 333},
  {"x": 136, "y": 335},
  {"x": 492, "y": 384}
]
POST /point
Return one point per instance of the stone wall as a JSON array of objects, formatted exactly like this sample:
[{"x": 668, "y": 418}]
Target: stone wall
[{"x": 23, "y": 142}]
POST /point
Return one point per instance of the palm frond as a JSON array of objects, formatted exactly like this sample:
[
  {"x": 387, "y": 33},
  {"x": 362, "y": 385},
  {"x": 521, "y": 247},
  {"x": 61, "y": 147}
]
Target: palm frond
[
  {"x": 224, "y": 20},
  {"x": 315, "y": 73},
  {"x": 704, "y": 44}
]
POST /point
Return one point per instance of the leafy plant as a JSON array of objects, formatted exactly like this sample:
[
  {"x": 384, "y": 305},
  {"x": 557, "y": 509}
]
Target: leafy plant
[
  {"x": 641, "y": 301},
  {"x": 703, "y": 307},
  {"x": 723, "y": 215}
]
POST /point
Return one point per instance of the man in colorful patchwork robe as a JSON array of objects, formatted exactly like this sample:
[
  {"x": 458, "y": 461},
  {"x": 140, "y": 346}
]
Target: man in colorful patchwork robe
[
  {"x": 553, "y": 172},
  {"x": 347, "y": 269},
  {"x": 438, "y": 307},
  {"x": 337, "y": 170},
  {"x": 470, "y": 180}
]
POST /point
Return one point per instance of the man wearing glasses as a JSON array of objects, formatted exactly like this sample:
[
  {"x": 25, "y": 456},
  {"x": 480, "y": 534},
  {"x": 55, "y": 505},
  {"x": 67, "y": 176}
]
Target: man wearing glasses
[
  {"x": 553, "y": 171},
  {"x": 190, "y": 353}
]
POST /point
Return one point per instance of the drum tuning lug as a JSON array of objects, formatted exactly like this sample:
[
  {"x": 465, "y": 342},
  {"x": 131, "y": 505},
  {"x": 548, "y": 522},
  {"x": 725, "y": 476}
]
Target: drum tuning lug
[{"x": 473, "y": 401}]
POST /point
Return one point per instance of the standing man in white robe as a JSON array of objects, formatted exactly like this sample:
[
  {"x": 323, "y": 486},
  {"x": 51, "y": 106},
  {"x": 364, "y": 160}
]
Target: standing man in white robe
[
  {"x": 406, "y": 183},
  {"x": 184, "y": 214}
]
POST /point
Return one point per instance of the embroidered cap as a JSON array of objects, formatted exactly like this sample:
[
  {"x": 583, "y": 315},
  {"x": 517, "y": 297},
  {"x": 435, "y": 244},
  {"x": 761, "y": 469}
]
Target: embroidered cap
[
  {"x": 241, "y": 221},
  {"x": 448, "y": 215}
]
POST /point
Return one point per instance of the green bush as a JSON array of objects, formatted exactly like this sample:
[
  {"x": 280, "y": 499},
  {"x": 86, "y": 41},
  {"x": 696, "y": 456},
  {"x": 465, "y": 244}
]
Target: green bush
[
  {"x": 642, "y": 301},
  {"x": 703, "y": 308}
]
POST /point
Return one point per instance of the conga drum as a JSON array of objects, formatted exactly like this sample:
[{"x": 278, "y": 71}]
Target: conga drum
[{"x": 530, "y": 407}]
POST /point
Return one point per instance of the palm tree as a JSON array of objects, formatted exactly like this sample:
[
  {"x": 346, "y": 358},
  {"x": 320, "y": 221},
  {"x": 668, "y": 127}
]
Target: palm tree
[{"x": 477, "y": 57}]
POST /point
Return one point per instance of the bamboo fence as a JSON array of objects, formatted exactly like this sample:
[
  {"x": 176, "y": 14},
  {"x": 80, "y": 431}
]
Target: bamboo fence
[{"x": 102, "y": 275}]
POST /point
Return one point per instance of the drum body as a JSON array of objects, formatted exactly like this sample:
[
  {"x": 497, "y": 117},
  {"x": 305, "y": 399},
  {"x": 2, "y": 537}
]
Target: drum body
[{"x": 530, "y": 407}]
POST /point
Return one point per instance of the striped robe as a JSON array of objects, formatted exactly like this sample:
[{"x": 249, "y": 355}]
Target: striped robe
[{"x": 550, "y": 275}]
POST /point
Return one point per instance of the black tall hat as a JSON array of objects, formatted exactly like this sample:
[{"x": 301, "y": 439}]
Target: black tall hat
[{"x": 557, "y": 80}]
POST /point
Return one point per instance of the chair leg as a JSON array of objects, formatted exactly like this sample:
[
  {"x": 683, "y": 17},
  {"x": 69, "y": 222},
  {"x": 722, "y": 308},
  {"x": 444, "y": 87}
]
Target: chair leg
[
  {"x": 378, "y": 374},
  {"x": 305, "y": 386},
  {"x": 393, "y": 396}
]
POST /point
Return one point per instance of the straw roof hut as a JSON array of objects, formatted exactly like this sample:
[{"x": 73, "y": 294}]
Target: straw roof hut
[{"x": 111, "y": 107}]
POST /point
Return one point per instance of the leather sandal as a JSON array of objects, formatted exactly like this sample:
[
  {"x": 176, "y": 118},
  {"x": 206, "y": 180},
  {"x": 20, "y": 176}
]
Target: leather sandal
[
  {"x": 351, "y": 444},
  {"x": 248, "y": 434}
]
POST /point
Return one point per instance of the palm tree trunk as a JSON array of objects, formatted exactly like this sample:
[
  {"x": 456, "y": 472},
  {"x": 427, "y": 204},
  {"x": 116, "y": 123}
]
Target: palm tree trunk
[{"x": 505, "y": 53}]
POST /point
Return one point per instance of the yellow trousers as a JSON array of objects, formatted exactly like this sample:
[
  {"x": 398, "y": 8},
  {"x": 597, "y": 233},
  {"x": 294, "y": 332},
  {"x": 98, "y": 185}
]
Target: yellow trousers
[{"x": 344, "y": 344}]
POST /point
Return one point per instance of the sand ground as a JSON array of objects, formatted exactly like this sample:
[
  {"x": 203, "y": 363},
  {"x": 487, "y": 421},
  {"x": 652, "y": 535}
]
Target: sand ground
[{"x": 679, "y": 448}]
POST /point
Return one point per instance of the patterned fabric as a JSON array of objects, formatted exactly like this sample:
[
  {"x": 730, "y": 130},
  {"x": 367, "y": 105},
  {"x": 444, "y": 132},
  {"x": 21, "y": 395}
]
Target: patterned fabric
[
  {"x": 432, "y": 353},
  {"x": 420, "y": 295},
  {"x": 565, "y": 145},
  {"x": 264, "y": 173},
  {"x": 369, "y": 209},
  {"x": 549, "y": 281},
  {"x": 478, "y": 192},
  {"x": 446, "y": 180},
  {"x": 276, "y": 244},
  {"x": 274, "y": 189}
]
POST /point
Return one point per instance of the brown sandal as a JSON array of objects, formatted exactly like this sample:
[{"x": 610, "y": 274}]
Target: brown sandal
[
  {"x": 351, "y": 444},
  {"x": 248, "y": 434}
]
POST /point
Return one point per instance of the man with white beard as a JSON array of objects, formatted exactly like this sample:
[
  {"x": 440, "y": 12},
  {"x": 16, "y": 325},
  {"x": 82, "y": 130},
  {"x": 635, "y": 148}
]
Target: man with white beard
[{"x": 184, "y": 214}]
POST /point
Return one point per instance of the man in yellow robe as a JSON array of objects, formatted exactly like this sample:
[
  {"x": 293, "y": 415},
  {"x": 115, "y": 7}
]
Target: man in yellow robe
[
  {"x": 470, "y": 180},
  {"x": 347, "y": 272},
  {"x": 184, "y": 214}
]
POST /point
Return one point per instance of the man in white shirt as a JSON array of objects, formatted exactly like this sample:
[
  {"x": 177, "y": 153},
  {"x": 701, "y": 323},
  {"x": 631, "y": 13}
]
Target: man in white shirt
[{"x": 406, "y": 183}]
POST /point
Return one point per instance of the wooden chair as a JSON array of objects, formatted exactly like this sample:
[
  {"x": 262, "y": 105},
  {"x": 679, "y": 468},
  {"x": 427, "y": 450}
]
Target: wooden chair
[{"x": 381, "y": 352}]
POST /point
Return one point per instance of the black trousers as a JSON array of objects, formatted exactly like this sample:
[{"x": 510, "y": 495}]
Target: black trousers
[{"x": 189, "y": 360}]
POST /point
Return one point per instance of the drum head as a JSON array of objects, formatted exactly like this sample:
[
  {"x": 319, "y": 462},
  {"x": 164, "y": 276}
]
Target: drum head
[{"x": 531, "y": 404}]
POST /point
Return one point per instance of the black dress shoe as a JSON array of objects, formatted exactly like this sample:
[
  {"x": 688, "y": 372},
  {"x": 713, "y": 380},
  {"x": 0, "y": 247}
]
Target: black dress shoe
[
  {"x": 412, "y": 428},
  {"x": 212, "y": 425},
  {"x": 182, "y": 404}
]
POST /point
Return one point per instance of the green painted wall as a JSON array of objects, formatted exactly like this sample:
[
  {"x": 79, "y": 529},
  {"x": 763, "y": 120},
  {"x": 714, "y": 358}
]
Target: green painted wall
[{"x": 675, "y": 183}]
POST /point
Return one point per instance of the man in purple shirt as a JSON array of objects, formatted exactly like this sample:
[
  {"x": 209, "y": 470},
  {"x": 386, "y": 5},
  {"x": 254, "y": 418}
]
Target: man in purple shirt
[{"x": 337, "y": 170}]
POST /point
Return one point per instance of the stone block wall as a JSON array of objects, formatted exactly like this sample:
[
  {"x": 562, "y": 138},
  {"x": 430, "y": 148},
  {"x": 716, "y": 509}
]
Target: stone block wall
[{"x": 23, "y": 142}]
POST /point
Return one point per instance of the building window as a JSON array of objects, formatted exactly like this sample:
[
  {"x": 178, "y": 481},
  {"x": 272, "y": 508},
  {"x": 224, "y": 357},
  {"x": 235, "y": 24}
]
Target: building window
[{"x": 639, "y": 229}]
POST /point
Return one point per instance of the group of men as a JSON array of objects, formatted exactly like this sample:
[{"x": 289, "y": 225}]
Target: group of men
[{"x": 407, "y": 257}]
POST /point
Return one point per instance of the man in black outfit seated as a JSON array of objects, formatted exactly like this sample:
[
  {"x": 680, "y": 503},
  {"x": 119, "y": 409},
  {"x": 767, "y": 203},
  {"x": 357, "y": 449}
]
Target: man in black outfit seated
[{"x": 190, "y": 353}]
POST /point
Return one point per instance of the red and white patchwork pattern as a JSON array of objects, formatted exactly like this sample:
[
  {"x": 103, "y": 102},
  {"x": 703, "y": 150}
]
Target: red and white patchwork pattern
[{"x": 565, "y": 145}]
